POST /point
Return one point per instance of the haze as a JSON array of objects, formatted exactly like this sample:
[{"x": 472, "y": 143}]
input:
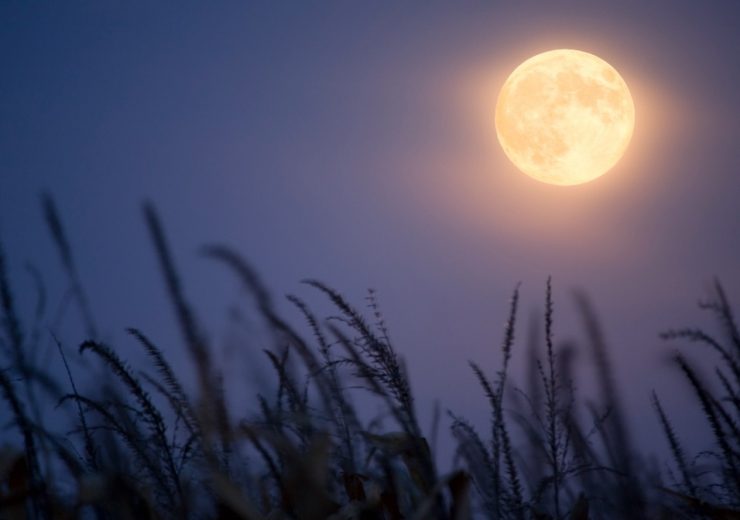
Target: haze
[{"x": 356, "y": 144}]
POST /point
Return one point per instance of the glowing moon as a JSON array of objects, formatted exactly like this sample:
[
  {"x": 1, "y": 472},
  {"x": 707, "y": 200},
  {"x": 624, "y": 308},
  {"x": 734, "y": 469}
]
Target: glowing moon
[{"x": 564, "y": 117}]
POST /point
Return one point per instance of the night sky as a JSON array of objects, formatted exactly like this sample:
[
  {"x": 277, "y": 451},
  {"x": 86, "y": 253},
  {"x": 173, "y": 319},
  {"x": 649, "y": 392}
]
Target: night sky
[{"x": 354, "y": 143}]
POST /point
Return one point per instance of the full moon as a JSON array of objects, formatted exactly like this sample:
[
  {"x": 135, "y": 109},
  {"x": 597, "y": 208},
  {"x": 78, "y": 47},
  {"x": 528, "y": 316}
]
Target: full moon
[{"x": 564, "y": 117}]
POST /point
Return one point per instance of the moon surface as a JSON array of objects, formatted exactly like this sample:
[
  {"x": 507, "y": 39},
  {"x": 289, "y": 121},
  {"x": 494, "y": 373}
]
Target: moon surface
[{"x": 565, "y": 117}]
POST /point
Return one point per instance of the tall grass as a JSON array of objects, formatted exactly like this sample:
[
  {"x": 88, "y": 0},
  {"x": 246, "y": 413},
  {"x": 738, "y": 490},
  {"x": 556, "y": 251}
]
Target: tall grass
[{"x": 143, "y": 443}]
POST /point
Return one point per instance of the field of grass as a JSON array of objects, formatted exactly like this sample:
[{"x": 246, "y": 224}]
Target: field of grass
[{"x": 144, "y": 445}]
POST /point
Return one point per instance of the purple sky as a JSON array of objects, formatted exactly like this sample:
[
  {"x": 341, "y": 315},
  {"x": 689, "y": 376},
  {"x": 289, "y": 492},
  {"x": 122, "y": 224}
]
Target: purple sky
[{"x": 354, "y": 143}]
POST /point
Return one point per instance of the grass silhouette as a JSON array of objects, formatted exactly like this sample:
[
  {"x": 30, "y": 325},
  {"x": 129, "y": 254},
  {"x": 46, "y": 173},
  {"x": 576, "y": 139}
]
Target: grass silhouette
[{"x": 143, "y": 446}]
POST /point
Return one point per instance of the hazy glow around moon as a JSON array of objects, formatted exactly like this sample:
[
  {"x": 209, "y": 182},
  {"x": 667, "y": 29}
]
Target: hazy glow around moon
[{"x": 564, "y": 117}]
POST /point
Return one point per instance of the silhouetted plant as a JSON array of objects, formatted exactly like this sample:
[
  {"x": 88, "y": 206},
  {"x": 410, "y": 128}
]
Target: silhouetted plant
[{"x": 306, "y": 452}]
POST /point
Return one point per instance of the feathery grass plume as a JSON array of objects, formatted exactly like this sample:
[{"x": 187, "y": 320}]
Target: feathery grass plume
[
  {"x": 377, "y": 363},
  {"x": 142, "y": 454},
  {"x": 732, "y": 426},
  {"x": 151, "y": 414},
  {"x": 501, "y": 428},
  {"x": 288, "y": 389},
  {"x": 675, "y": 446},
  {"x": 384, "y": 364},
  {"x": 552, "y": 427},
  {"x": 722, "y": 422},
  {"x": 508, "y": 341},
  {"x": 283, "y": 333},
  {"x": 254, "y": 286},
  {"x": 695, "y": 335},
  {"x": 729, "y": 455},
  {"x": 172, "y": 389},
  {"x": 723, "y": 311},
  {"x": 131, "y": 437},
  {"x": 65, "y": 254},
  {"x": 376, "y": 384},
  {"x": 311, "y": 361},
  {"x": 246, "y": 273},
  {"x": 552, "y": 406},
  {"x": 279, "y": 414},
  {"x": 510, "y": 499},
  {"x": 119, "y": 368},
  {"x": 344, "y": 418},
  {"x": 516, "y": 502},
  {"x": 472, "y": 449},
  {"x": 283, "y": 389},
  {"x": 732, "y": 395},
  {"x": 193, "y": 339},
  {"x": 374, "y": 373},
  {"x": 380, "y": 325},
  {"x": 496, "y": 477}
]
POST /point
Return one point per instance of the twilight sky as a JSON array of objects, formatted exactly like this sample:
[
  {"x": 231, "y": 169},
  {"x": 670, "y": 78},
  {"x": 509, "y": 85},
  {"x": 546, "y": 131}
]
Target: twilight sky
[{"x": 354, "y": 143}]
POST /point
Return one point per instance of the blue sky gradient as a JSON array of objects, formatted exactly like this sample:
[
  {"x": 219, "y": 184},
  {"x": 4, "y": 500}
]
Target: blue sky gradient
[{"x": 354, "y": 143}]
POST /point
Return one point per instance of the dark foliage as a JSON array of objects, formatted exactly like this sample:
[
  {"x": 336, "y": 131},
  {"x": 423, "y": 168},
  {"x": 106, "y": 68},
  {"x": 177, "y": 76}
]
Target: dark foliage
[{"x": 143, "y": 444}]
